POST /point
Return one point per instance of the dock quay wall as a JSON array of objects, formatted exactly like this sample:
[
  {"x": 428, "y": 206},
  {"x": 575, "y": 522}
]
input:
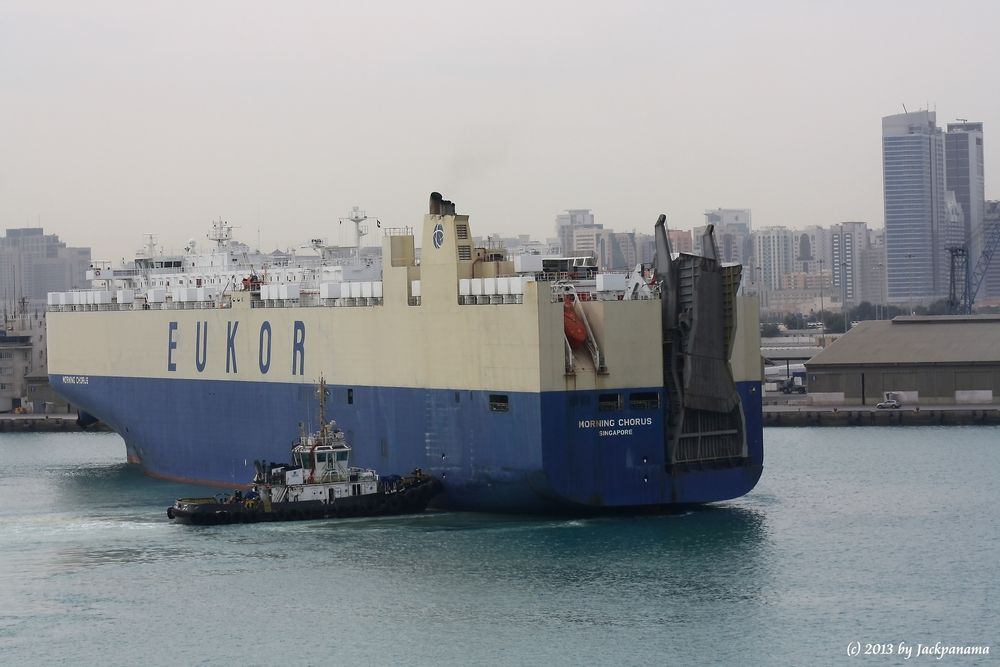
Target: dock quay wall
[
  {"x": 814, "y": 415},
  {"x": 44, "y": 424}
]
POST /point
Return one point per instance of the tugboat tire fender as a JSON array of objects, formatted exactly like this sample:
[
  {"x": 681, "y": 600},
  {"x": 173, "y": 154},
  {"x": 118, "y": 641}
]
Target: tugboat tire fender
[{"x": 170, "y": 512}]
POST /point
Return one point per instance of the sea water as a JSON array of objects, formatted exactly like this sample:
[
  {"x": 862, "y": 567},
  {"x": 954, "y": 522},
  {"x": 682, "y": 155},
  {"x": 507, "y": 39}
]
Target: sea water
[{"x": 855, "y": 540}]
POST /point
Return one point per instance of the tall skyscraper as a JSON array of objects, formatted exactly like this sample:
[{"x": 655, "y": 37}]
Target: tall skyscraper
[
  {"x": 913, "y": 169},
  {"x": 964, "y": 176}
]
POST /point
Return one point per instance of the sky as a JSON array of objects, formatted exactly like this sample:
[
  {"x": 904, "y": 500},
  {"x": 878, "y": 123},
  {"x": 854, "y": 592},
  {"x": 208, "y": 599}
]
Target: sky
[{"x": 120, "y": 119}]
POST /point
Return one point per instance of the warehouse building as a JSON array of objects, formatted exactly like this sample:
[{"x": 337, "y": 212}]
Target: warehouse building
[{"x": 926, "y": 360}]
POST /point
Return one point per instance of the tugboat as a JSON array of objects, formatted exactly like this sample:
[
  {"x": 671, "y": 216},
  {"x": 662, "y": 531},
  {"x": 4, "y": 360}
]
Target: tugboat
[{"x": 318, "y": 484}]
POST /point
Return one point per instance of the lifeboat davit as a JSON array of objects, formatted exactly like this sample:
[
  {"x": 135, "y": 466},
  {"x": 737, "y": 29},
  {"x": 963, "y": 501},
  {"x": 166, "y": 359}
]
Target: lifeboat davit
[{"x": 576, "y": 332}]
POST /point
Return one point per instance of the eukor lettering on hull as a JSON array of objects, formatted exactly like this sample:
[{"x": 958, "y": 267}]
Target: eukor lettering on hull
[{"x": 202, "y": 348}]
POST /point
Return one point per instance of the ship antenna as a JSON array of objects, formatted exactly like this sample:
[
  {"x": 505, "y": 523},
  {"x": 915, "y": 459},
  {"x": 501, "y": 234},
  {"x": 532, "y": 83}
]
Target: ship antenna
[
  {"x": 357, "y": 218},
  {"x": 222, "y": 232}
]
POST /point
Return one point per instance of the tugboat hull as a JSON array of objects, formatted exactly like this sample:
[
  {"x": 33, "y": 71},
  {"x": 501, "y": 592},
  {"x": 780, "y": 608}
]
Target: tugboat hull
[{"x": 210, "y": 511}]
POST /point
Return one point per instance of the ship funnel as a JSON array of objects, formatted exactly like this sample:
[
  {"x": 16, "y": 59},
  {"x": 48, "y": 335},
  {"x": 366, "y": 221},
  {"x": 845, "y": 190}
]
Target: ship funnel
[{"x": 441, "y": 206}]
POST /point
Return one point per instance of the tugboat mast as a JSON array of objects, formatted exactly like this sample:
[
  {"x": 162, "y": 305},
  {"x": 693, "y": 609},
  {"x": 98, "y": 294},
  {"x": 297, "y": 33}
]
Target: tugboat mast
[{"x": 324, "y": 428}]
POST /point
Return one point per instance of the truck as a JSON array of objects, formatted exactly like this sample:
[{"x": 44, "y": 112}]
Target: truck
[{"x": 792, "y": 385}]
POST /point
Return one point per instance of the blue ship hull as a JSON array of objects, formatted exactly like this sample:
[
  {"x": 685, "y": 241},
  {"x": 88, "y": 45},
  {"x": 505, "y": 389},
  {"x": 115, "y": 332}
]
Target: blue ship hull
[{"x": 547, "y": 452}]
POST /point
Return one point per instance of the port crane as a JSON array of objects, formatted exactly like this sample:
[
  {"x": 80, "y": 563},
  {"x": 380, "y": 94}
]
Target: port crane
[{"x": 962, "y": 296}]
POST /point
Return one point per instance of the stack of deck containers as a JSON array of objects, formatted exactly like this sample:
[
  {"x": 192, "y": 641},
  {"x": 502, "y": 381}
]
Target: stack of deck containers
[
  {"x": 609, "y": 285},
  {"x": 156, "y": 296},
  {"x": 330, "y": 293},
  {"x": 125, "y": 299}
]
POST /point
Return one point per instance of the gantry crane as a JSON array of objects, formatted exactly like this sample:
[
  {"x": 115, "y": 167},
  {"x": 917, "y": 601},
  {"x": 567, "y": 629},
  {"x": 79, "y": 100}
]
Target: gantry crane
[{"x": 961, "y": 297}]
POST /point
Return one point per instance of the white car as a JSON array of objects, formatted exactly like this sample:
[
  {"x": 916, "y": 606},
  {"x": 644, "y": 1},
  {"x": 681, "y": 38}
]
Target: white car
[{"x": 891, "y": 403}]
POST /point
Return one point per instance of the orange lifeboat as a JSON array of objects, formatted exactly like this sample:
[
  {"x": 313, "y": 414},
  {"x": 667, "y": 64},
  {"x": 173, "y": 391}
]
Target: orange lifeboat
[{"x": 576, "y": 332}]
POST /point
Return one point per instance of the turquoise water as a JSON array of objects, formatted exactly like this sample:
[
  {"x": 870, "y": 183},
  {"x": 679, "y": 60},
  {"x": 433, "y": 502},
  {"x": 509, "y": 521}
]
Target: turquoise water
[{"x": 874, "y": 535}]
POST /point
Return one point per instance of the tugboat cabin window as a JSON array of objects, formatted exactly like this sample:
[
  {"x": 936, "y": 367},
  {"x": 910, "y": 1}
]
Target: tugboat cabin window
[
  {"x": 499, "y": 403},
  {"x": 609, "y": 402},
  {"x": 341, "y": 456},
  {"x": 644, "y": 400}
]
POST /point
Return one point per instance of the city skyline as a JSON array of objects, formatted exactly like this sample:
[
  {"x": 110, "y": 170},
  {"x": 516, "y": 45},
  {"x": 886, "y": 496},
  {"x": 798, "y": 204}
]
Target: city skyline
[
  {"x": 123, "y": 120},
  {"x": 789, "y": 269}
]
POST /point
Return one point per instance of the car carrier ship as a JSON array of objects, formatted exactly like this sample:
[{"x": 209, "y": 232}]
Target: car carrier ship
[{"x": 524, "y": 384}]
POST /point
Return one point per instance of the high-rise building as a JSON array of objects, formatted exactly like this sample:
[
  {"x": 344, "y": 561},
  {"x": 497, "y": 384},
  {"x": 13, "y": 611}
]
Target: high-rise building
[
  {"x": 872, "y": 270},
  {"x": 812, "y": 249},
  {"x": 33, "y": 263},
  {"x": 583, "y": 240},
  {"x": 732, "y": 234},
  {"x": 571, "y": 222},
  {"x": 964, "y": 177},
  {"x": 617, "y": 251},
  {"x": 774, "y": 255},
  {"x": 848, "y": 243},
  {"x": 680, "y": 240},
  {"x": 913, "y": 169}
]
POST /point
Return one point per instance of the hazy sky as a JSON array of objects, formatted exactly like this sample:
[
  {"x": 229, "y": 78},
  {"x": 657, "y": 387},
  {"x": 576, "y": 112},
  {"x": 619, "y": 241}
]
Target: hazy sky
[{"x": 124, "y": 118}]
